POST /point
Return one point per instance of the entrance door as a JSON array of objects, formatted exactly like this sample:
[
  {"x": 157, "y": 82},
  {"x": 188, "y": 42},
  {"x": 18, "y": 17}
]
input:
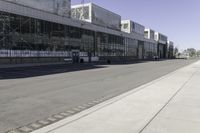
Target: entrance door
[
  {"x": 161, "y": 51},
  {"x": 1, "y": 31},
  {"x": 140, "y": 50},
  {"x": 75, "y": 56},
  {"x": 2, "y": 36}
]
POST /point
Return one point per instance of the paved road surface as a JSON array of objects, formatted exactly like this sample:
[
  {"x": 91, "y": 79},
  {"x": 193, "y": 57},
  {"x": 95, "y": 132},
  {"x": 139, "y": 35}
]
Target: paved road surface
[
  {"x": 170, "y": 104},
  {"x": 25, "y": 99}
]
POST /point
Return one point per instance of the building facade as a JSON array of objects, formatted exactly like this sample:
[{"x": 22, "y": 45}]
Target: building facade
[
  {"x": 151, "y": 45},
  {"x": 162, "y": 45},
  {"x": 149, "y": 34},
  {"x": 96, "y": 15},
  {"x": 29, "y": 35},
  {"x": 171, "y": 51},
  {"x": 130, "y": 26},
  {"x": 59, "y": 7}
]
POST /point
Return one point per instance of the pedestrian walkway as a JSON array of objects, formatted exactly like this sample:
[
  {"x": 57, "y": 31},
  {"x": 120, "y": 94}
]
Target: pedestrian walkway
[{"x": 170, "y": 104}]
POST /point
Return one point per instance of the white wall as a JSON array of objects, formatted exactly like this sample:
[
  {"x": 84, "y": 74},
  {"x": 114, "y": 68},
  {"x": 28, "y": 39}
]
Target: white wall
[
  {"x": 98, "y": 16},
  {"x": 126, "y": 26}
]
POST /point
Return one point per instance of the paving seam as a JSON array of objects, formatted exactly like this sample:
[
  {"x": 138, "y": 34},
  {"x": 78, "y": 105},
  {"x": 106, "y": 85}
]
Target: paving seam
[{"x": 167, "y": 103}]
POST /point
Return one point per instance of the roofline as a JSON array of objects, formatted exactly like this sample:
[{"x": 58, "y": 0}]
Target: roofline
[
  {"x": 161, "y": 34},
  {"x": 133, "y": 22},
  {"x": 80, "y": 5},
  {"x": 22, "y": 10},
  {"x": 148, "y": 29},
  {"x": 47, "y": 16}
]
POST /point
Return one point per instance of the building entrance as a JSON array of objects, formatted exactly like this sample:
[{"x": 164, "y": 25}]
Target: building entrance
[
  {"x": 140, "y": 50},
  {"x": 75, "y": 56}
]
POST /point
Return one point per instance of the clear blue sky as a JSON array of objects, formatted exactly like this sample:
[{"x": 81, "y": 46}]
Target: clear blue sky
[{"x": 179, "y": 19}]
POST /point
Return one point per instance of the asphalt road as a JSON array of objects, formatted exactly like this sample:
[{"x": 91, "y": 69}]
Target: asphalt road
[{"x": 35, "y": 93}]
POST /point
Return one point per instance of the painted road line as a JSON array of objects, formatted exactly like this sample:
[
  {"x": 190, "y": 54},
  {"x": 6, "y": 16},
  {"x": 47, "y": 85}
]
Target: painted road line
[
  {"x": 51, "y": 119},
  {"x": 65, "y": 114},
  {"x": 25, "y": 129},
  {"x": 14, "y": 131},
  {"x": 44, "y": 122},
  {"x": 35, "y": 125},
  {"x": 58, "y": 116}
]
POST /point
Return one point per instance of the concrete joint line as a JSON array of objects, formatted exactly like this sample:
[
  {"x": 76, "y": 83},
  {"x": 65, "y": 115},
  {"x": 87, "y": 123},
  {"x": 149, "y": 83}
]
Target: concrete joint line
[{"x": 171, "y": 98}]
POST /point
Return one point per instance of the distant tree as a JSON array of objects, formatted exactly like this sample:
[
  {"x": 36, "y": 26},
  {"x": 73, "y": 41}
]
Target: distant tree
[
  {"x": 192, "y": 52},
  {"x": 198, "y": 53},
  {"x": 171, "y": 51},
  {"x": 176, "y": 51},
  {"x": 179, "y": 54}
]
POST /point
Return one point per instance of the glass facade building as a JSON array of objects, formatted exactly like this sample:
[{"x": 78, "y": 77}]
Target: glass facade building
[
  {"x": 27, "y": 32},
  {"x": 20, "y": 33},
  {"x": 150, "y": 49}
]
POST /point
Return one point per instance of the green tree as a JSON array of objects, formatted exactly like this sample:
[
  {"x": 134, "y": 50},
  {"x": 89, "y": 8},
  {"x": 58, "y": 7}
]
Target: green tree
[
  {"x": 176, "y": 51},
  {"x": 198, "y": 53},
  {"x": 192, "y": 52}
]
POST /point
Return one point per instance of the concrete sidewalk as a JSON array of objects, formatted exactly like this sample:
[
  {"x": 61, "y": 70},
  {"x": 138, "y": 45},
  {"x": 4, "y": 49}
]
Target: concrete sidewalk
[{"x": 170, "y": 104}]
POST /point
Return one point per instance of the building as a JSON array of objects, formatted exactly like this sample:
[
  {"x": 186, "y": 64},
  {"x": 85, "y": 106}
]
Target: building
[
  {"x": 162, "y": 44},
  {"x": 132, "y": 27},
  {"x": 150, "y": 44},
  {"x": 149, "y": 34},
  {"x": 171, "y": 53},
  {"x": 59, "y": 7},
  {"x": 30, "y": 35},
  {"x": 136, "y": 30}
]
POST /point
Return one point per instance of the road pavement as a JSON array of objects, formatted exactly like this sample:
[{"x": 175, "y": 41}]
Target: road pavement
[
  {"x": 28, "y": 95},
  {"x": 169, "y": 104}
]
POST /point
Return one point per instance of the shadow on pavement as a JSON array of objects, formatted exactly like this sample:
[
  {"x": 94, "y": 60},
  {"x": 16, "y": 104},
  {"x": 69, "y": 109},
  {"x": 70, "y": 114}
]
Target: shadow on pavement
[
  {"x": 34, "y": 71},
  {"x": 131, "y": 62}
]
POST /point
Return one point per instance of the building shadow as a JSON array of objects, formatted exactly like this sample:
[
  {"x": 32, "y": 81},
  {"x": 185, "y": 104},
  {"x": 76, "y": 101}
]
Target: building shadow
[
  {"x": 35, "y": 71},
  {"x": 136, "y": 61}
]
